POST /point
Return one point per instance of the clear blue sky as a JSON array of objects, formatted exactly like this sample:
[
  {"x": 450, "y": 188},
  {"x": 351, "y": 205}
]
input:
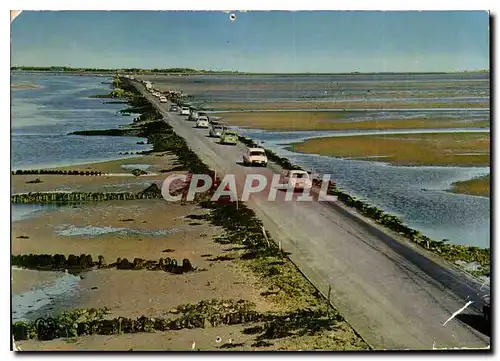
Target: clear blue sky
[{"x": 315, "y": 41}]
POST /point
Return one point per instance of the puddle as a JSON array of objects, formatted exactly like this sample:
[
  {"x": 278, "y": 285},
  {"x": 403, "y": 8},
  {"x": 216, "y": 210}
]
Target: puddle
[
  {"x": 28, "y": 305},
  {"x": 94, "y": 231},
  {"x": 119, "y": 175},
  {"x": 136, "y": 166}
]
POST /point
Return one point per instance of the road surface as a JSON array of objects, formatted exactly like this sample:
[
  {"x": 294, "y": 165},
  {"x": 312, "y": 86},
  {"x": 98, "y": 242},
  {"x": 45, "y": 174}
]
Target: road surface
[{"x": 395, "y": 295}]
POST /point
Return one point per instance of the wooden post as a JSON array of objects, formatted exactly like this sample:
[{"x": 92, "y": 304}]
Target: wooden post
[{"x": 265, "y": 236}]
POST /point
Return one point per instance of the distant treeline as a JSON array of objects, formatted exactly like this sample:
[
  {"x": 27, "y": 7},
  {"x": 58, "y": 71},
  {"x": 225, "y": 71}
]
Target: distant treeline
[{"x": 101, "y": 70}]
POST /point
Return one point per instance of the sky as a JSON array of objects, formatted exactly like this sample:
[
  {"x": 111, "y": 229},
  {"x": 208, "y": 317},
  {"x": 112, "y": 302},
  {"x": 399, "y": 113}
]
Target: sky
[{"x": 274, "y": 42}]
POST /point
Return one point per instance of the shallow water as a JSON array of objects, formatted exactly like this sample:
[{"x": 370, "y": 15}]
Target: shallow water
[
  {"x": 136, "y": 166},
  {"x": 42, "y": 119},
  {"x": 416, "y": 194},
  {"x": 30, "y": 305},
  {"x": 94, "y": 231},
  {"x": 422, "y": 88},
  {"x": 27, "y": 211}
]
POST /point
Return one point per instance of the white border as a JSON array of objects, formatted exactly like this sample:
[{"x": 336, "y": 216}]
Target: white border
[{"x": 181, "y": 5}]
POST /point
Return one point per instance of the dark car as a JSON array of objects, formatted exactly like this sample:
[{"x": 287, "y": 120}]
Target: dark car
[{"x": 174, "y": 108}]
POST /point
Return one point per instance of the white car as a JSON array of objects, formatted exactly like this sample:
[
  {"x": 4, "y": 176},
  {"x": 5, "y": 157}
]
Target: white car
[
  {"x": 255, "y": 156},
  {"x": 185, "y": 111},
  {"x": 202, "y": 122},
  {"x": 296, "y": 179},
  {"x": 163, "y": 99}
]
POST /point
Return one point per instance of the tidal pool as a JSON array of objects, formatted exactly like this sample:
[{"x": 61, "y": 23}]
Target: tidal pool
[{"x": 94, "y": 231}]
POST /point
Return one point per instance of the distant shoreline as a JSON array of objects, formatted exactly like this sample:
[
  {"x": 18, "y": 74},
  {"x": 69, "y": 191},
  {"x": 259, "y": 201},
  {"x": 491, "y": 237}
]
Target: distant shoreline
[{"x": 107, "y": 72}]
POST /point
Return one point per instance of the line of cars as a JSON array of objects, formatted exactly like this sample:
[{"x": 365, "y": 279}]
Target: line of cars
[
  {"x": 215, "y": 128},
  {"x": 254, "y": 156}
]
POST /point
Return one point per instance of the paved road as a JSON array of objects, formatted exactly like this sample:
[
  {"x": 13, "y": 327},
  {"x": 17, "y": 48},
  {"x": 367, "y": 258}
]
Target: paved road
[{"x": 394, "y": 294}]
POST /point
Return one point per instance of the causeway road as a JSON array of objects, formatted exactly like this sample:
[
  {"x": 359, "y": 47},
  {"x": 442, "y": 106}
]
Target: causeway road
[{"x": 396, "y": 295}]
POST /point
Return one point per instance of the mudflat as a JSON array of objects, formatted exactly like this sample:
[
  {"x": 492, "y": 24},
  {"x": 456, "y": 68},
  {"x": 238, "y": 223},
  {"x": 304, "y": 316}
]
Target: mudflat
[
  {"x": 477, "y": 186},
  {"x": 444, "y": 149},
  {"x": 324, "y": 120},
  {"x": 117, "y": 176},
  {"x": 378, "y": 105}
]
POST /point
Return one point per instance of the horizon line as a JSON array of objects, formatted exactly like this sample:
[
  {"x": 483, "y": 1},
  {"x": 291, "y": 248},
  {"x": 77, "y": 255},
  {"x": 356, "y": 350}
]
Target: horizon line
[{"x": 180, "y": 70}]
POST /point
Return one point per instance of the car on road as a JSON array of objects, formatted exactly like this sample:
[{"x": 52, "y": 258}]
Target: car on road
[
  {"x": 202, "y": 122},
  {"x": 174, "y": 108},
  {"x": 203, "y": 114},
  {"x": 215, "y": 130},
  {"x": 487, "y": 308},
  {"x": 185, "y": 111},
  {"x": 296, "y": 179},
  {"x": 163, "y": 99},
  {"x": 193, "y": 115},
  {"x": 229, "y": 137},
  {"x": 255, "y": 156}
]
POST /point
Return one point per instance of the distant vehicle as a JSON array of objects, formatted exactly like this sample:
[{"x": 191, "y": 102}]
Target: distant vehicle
[
  {"x": 193, "y": 115},
  {"x": 255, "y": 156},
  {"x": 216, "y": 130},
  {"x": 174, "y": 108},
  {"x": 296, "y": 179},
  {"x": 202, "y": 122},
  {"x": 163, "y": 99},
  {"x": 184, "y": 111},
  {"x": 229, "y": 137},
  {"x": 203, "y": 114},
  {"x": 487, "y": 308}
]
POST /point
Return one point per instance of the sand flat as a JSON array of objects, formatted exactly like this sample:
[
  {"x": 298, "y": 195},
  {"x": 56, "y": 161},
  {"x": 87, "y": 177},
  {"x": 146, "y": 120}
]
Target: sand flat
[
  {"x": 117, "y": 177},
  {"x": 324, "y": 120},
  {"x": 443, "y": 149}
]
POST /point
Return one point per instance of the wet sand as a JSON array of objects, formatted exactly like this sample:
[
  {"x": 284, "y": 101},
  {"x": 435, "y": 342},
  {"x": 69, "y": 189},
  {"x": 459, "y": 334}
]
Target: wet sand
[
  {"x": 295, "y": 121},
  {"x": 133, "y": 293},
  {"x": 25, "y": 86},
  {"x": 477, "y": 186},
  {"x": 24, "y": 280},
  {"x": 117, "y": 178},
  {"x": 454, "y": 149}
]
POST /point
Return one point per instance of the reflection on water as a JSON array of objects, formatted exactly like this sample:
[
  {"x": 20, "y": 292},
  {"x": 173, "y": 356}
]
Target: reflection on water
[{"x": 416, "y": 194}]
